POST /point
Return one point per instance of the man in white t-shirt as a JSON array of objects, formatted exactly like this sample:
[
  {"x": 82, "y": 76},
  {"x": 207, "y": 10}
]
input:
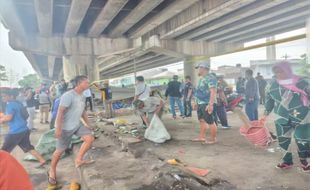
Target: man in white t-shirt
[
  {"x": 147, "y": 108},
  {"x": 142, "y": 91},
  {"x": 68, "y": 123}
]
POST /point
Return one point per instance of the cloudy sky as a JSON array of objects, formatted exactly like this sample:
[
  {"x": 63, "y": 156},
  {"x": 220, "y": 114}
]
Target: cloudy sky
[
  {"x": 14, "y": 61},
  {"x": 17, "y": 63}
]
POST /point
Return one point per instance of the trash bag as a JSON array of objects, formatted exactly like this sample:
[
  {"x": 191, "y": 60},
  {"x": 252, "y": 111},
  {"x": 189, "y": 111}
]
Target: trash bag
[
  {"x": 47, "y": 145},
  {"x": 157, "y": 132}
]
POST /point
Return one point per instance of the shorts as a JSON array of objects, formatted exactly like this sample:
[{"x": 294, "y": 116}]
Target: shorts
[
  {"x": 64, "y": 141},
  {"x": 203, "y": 114},
  {"x": 21, "y": 139}
]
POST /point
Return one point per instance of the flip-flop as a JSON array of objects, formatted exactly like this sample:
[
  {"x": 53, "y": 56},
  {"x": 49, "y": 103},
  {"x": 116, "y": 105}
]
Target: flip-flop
[
  {"x": 198, "y": 140},
  {"x": 50, "y": 180},
  {"x": 210, "y": 141},
  {"x": 84, "y": 162}
]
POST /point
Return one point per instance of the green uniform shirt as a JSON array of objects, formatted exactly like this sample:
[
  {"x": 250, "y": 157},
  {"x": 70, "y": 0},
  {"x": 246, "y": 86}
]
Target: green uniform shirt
[{"x": 204, "y": 85}]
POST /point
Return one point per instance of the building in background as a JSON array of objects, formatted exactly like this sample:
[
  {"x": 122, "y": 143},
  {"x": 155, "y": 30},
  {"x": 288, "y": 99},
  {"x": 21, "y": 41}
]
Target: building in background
[
  {"x": 264, "y": 67},
  {"x": 231, "y": 73}
]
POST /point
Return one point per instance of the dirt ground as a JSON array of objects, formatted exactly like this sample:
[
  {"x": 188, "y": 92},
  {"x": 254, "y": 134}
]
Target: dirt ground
[{"x": 232, "y": 161}]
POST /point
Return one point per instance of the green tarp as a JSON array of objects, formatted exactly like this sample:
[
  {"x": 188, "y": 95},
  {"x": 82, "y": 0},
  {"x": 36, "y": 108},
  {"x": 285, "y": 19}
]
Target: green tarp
[{"x": 47, "y": 145}]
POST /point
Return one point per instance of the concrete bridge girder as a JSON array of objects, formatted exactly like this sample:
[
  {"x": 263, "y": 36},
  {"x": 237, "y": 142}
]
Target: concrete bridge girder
[
  {"x": 105, "y": 17},
  {"x": 77, "y": 12},
  {"x": 59, "y": 46},
  {"x": 207, "y": 16},
  {"x": 44, "y": 11},
  {"x": 82, "y": 46},
  {"x": 171, "y": 10},
  {"x": 257, "y": 21},
  {"x": 156, "y": 51}
]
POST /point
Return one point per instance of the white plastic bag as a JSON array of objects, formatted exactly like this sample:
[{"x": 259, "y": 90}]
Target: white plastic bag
[{"x": 157, "y": 132}]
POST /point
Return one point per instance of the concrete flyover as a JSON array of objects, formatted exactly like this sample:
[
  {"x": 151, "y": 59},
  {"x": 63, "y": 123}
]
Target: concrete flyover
[{"x": 109, "y": 38}]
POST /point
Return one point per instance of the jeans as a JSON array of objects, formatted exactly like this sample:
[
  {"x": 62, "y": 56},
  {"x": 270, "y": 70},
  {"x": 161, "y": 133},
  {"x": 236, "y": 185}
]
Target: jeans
[
  {"x": 172, "y": 101},
  {"x": 221, "y": 114},
  {"x": 187, "y": 107},
  {"x": 251, "y": 110}
]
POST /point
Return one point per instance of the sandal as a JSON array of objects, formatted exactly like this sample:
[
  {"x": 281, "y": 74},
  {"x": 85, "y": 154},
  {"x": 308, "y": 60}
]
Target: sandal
[
  {"x": 83, "y": 162},
  {"x": 50, "y": 180},
  {"x": 284, "y": 165},
  {"x": 210, "y": 141},
  {"x": 306, "y": 168},
  {"x": 198, "y": 140}
]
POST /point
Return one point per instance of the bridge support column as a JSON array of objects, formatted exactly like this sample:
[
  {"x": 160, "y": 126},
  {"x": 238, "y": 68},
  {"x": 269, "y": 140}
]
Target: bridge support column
[
  {"x": 189, "y": 67},
  {"x": 271, "y": 50},
  {"x": 80, "y": 65},
  {"x": 69, "y": 68}
]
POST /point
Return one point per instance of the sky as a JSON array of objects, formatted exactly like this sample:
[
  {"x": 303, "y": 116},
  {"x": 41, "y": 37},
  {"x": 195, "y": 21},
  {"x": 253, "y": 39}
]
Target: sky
[
  {"x": 17, "y": 64},
  {"x": 14, "y": 61}
]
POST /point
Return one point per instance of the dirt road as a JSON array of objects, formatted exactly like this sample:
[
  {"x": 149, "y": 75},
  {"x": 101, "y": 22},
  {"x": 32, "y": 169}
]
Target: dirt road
[{"x": 232, "y": 159}]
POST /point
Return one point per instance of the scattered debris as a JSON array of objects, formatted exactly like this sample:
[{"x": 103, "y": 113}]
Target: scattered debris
[
  {"x": 272, "y": 150},
  {"x": 196, "y": 171}
]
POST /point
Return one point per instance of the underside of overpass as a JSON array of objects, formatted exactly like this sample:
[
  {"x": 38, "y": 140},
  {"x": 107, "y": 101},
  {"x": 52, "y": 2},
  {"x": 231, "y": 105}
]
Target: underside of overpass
[{"x": 110, "y": 38}]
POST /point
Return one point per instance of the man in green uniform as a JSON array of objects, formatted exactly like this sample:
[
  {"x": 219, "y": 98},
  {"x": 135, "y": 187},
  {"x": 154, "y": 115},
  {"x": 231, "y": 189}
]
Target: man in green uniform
[{"x": 205, "y": 98}]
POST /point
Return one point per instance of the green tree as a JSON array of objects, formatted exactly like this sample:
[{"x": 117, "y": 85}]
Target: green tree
[
  {"x": 305, "y": 69},
  {"x": 31, "y": 80},
  {"x": 3, "y": 76}
]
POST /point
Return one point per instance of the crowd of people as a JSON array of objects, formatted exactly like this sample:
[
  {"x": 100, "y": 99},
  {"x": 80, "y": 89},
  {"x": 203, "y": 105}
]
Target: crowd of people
[
  {"x": 287, "y": 95},
  {"x": 69, "y": 117}
]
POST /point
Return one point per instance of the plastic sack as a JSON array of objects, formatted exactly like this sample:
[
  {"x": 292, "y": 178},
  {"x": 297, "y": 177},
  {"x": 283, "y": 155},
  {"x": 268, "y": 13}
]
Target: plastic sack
[{"x": 157, "y": 132}]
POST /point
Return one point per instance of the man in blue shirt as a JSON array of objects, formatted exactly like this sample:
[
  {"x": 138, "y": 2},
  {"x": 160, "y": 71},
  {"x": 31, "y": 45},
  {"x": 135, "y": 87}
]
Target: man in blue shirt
[{"x": 18, "y": 131}]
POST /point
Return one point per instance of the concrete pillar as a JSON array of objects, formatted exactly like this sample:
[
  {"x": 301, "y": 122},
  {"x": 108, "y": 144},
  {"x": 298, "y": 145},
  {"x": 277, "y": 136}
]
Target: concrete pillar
[
  {"x": 51, "y": 63},
  {"x": 308, "y": 39},
  {"x": 95, "y": 71},
  {"x": 189, "y": 67},
  {"x": 271, "y": 50},
  {"x": 80, "y": 65},
  {"x": 69, "y": 68}
]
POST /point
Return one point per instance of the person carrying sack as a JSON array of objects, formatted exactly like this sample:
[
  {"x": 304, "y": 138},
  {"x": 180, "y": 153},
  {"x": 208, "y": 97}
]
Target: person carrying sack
[
  {"x": 142, "y": 92},
  {"x": 147, "y": 108}
]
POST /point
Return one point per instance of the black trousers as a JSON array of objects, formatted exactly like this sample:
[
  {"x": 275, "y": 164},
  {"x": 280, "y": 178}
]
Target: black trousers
[
  {"x": 89, "y": 99},
  {"x": 188, "y": 107}
]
